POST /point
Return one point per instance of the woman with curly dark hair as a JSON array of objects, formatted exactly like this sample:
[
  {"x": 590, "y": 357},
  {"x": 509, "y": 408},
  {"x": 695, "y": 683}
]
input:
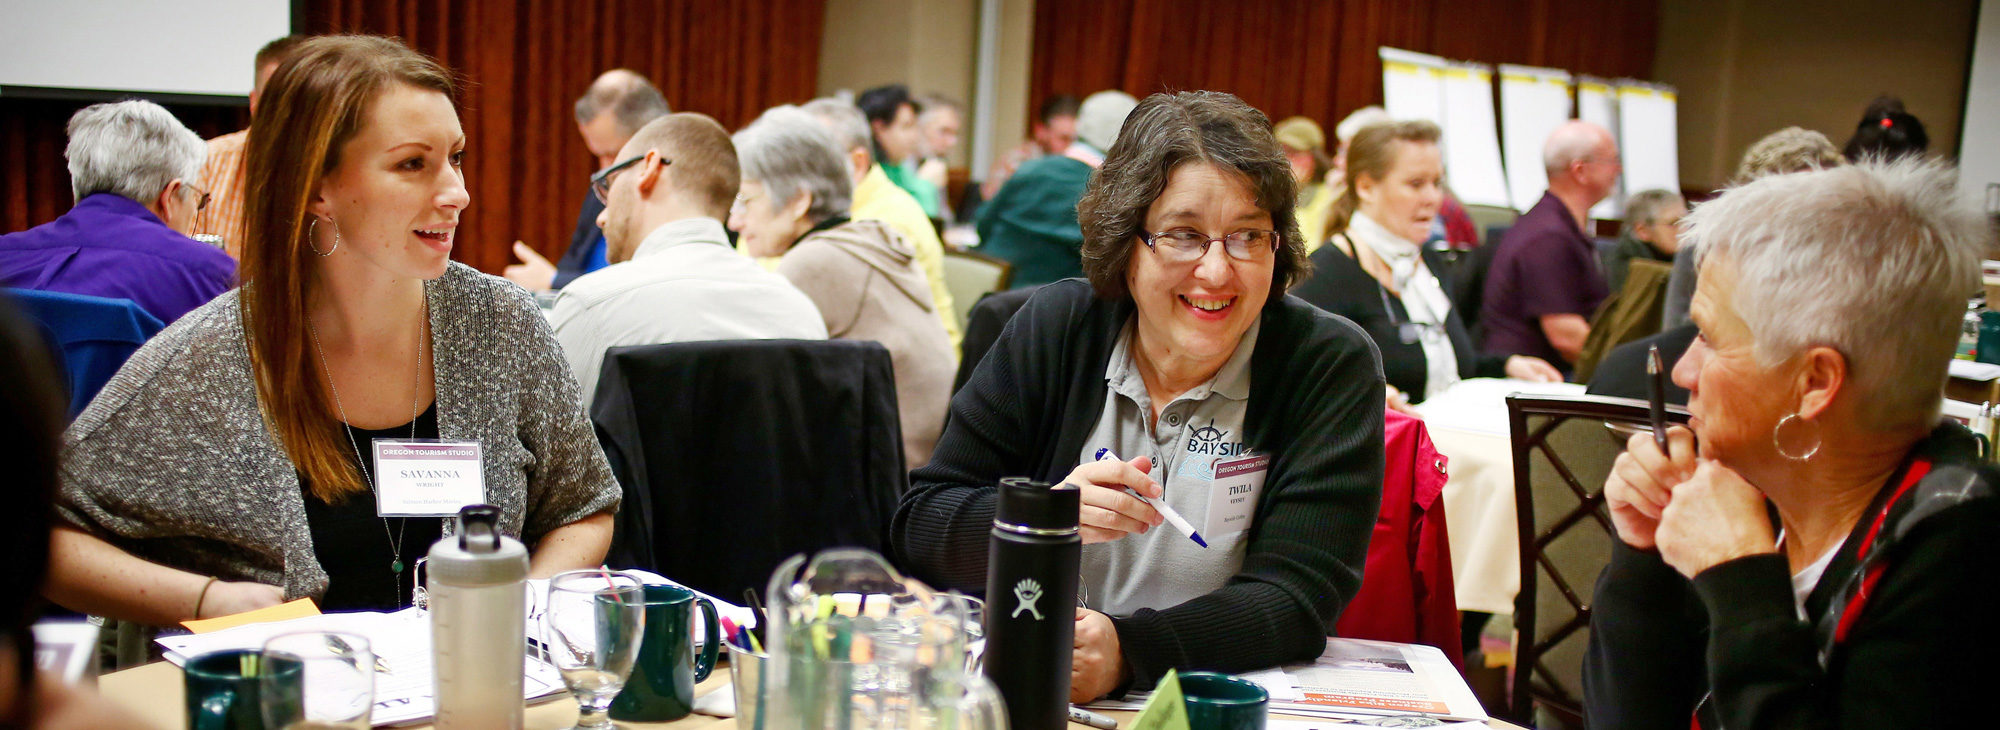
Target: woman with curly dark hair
[{"x": 1254, "y": 415}]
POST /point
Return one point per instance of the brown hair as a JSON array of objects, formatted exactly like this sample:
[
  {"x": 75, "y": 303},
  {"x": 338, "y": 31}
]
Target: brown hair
[
  {"x": 703, "y": 159},
  {"x": 278, "y": 50},
  {"x": 316, "y": 102},
  {"x": 1162, "y": 133},
  {"x": 1372, "y": 153}
]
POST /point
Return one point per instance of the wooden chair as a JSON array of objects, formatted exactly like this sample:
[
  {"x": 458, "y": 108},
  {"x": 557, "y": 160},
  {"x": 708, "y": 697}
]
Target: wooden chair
[{"x": 1563, "y": 448}]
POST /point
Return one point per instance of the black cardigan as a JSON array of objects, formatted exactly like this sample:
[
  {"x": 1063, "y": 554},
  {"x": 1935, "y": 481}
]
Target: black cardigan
[
  {"x": 1315, "y": 407},
  {"x": 1919, "y": 655},
  {"x": 1339, "y": 285}
]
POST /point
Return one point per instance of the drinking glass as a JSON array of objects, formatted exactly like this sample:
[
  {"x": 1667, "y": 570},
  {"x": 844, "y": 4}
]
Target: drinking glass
[
  {"x": 335, "y": 690},
  {"x": 594, "y": 622}
]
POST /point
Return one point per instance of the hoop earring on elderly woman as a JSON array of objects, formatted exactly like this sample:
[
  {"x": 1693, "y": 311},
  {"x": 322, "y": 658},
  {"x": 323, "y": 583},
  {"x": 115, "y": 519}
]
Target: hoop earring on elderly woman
[
  {"x": 1778, "y": 438},
  {"x": 313, "y": 227}
]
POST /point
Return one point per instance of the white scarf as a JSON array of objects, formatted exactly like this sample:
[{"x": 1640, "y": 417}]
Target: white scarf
[{"x": 1423, "y": 297}]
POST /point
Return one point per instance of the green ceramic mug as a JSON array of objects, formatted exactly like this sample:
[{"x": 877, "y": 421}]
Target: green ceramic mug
[
  {"x": 661, "y": 688},
  {"x": 225, "y": 689},
  {"x": 1217, "y": 701}
]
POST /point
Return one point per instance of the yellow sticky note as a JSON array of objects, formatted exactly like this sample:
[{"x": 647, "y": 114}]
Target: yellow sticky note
[
  {"x": 1166, "y": 709},
  {"x": 300, "y": 608}
]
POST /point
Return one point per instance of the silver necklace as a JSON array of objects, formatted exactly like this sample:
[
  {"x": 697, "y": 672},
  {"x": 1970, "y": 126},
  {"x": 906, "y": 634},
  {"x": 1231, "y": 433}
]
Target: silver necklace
[{"x": 416, "y": 403}]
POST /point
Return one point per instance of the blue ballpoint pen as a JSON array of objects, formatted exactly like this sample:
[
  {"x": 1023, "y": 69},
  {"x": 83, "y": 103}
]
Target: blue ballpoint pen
[{"x": 1166, "y": 510}]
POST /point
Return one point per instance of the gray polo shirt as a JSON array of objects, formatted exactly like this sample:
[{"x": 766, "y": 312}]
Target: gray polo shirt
[{"x": 1200, "y": 429}]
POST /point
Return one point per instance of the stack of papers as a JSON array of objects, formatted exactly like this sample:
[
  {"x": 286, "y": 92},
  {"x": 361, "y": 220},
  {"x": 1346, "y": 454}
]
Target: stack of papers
[{"x": 1356, "y": 679}]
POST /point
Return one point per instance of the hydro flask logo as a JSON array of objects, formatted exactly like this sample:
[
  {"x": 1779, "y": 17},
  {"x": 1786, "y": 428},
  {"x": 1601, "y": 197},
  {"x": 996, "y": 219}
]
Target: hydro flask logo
[{"x": 1027, "y": 592}]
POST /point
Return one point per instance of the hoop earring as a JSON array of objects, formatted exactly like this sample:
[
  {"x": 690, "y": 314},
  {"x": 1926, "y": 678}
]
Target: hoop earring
[
  {"x": 1777, "y": 432},
  {"x": 313, "y": 227}
]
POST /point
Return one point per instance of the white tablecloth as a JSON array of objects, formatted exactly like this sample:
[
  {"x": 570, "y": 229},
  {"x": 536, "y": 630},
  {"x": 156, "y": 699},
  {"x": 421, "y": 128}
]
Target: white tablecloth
[{"x": 1468, "y": 424}]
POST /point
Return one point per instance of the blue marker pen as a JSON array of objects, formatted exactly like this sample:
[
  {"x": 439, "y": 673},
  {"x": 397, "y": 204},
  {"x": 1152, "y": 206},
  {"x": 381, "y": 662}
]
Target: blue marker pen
[{"x": 1166, "y": 510}]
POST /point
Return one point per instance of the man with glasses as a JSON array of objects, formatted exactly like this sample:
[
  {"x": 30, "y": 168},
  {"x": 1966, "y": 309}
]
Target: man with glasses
[
  {"x": 676, "y": 278},
  {"x": 617, "y": 104},
  {"x": 1545, "y": 280},
  {"x": 131, "y": 165}
]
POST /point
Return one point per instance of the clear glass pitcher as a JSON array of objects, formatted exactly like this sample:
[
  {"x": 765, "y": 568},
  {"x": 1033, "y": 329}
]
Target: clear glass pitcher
[{"x": 855, "y": 644}]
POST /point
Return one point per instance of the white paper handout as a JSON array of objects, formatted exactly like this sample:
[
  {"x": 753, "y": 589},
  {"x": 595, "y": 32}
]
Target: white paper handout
[{"x": 1356, "y": 678}]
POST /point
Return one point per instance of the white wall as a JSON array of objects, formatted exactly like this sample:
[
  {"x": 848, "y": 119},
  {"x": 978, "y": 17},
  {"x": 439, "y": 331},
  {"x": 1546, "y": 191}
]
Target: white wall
[
  {"x": 1979, "y": 147},
  {"x": 164, "y": 46}
]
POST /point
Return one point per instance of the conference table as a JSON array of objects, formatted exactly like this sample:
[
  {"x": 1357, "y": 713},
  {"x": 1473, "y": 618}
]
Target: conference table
[
  {"x": 153, "y": 692},
  {"x": 1467, "y": 424}
]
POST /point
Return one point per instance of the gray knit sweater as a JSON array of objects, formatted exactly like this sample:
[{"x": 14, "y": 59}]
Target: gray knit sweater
[{"x": 173, "y": 462}]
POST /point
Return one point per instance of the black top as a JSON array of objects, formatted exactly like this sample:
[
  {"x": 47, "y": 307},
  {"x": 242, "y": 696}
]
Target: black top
[
  {"x": 1315, "y": 407},
  {"x": 1339, "y": 285},
  {"x": 1622, "y": 372},
  {"x": 354, "y": 546},
  {"x": 1918, "y": 653}
]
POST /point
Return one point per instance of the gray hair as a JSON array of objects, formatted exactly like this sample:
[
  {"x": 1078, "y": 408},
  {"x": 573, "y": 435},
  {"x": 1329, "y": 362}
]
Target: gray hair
[
  {"x": 844, "y": 121},
  {"x": 1791, "y": 149},
  {"x": 1873, "y": 260},
  {"x": 1643, "y": 207},
  {"x": 130, "y": 148},
  {"x": 1570, "y": 143},
  {"x": 933, "y": 103},
  {"x": 791, "y": 153},
  {"x": 1100, "y": 117},
  {"x": 628, "y": 96}
]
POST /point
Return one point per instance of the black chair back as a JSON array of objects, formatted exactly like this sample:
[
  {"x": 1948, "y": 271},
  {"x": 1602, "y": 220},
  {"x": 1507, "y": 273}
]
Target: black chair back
[
  {"x": 1563, "y": 448},
  {"x": 735, "y": 455}
]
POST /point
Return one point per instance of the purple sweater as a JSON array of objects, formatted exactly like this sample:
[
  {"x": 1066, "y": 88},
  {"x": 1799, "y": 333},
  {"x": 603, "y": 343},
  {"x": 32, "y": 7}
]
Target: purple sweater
[{"x": 110, "y": 246}]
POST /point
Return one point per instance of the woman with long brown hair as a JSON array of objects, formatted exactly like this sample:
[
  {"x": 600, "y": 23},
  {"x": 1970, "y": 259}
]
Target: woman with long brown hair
[
  {"x": 1376, "y": 272},
  {"x": 228, "y": 465}
]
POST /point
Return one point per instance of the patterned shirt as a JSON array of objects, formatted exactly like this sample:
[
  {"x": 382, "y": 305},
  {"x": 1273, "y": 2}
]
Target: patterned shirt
[{"x": 222, "y": 177}]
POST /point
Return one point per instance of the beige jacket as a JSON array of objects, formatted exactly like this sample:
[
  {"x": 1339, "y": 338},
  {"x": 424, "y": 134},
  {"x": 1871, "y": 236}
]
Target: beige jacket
[{"x": 865, "y": 279}]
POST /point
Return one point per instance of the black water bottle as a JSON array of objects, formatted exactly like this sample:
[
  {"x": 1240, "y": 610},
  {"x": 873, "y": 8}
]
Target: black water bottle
[{"x": 1031, "y": 577}]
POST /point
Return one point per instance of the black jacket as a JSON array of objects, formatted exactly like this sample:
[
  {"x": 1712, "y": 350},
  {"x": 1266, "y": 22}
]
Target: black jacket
[
  {"x": 1315, "y": 407},
  {"x": 1339, "y": 285},
  {"x": 1918, "y": 653},
  {"x": 581, "y": 241}
]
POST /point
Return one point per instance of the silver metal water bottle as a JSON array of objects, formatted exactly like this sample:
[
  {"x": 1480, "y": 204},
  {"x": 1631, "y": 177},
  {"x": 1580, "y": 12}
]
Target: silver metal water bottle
[{"x": 478, "y": 606}]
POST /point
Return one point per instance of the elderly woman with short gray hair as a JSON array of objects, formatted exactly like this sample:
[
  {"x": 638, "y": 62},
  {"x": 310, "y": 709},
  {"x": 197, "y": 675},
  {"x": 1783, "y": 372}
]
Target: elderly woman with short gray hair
[
  {"x": 1820, "y": 549},
  {"x": 862, "y": 275},
  {"x": 1180, "y": 371},
  {"x": 132, "y": 167}
]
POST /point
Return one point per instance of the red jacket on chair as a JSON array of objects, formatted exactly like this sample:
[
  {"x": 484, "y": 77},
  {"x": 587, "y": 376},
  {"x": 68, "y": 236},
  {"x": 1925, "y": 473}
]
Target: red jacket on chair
[{"x": 1406, "y": 594}]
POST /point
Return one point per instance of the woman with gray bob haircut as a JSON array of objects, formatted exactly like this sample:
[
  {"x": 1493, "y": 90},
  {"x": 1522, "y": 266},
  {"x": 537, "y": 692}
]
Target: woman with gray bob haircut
[
  {"x": 137, "y": 150},
  {"x": 863, "y": 276},
  {"x": 1829, "y": 305},
  {"x": 1181, "y": 372}
]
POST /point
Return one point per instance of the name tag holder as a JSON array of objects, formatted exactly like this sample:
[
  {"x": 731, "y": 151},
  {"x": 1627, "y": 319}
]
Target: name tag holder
[{"x": 427, "y": 477}]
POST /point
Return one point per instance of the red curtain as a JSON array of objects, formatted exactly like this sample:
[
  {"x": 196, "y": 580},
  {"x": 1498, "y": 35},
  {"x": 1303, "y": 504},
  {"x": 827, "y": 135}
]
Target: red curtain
[
  {"x": 1318, "y": 57},
  {"x": 522, "y": 64}
]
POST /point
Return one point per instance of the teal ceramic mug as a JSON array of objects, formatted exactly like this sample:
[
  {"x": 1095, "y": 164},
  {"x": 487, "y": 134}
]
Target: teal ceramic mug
[
  {"x": 1217, "y": 701},
  {"x": 661, "y": 688},
  {"x": 225, "y": 689}
]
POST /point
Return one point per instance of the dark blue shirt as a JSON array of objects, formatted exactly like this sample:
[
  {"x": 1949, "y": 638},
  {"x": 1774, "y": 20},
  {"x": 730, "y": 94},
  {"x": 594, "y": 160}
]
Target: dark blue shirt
[{"x": 109, "y": 246}]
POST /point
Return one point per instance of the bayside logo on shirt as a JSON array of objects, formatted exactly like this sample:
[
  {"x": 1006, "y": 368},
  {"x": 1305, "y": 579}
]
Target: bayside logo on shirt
[{"x": 1209, "y": 441}]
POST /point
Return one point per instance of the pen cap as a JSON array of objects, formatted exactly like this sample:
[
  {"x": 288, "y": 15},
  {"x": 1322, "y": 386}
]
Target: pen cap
[{"x": 1026, "y": 503}]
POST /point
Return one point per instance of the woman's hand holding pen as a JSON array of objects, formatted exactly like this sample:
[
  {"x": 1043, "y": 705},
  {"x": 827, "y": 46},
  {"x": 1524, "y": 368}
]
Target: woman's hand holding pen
[
  {"x": 1642, "y": 481},
  {"x": 1107, "y": 512}
]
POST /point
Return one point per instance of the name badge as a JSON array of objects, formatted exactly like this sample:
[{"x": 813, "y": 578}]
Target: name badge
[
  {"x": 1232, "y": 496},
  {"x": 427, "y": 477}
]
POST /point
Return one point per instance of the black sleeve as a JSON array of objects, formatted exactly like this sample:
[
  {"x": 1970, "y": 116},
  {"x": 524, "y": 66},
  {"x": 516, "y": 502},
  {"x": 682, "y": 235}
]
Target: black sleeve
[
  {"x": 1919, "y": 654},
  {"x": 581, "y": 240},
  {"x": 1310, "y": 541},
  {"x": 940, "y": 529},
  {"x": 1643, "y": 668}
]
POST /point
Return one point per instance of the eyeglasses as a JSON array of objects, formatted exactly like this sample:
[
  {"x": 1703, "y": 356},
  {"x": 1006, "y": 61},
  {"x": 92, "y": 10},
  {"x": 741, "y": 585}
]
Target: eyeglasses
[
  {"x": 201, "y": 202},
  {"x": 1183, "y": 245},
  {"x": 600, "y": 181}
]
